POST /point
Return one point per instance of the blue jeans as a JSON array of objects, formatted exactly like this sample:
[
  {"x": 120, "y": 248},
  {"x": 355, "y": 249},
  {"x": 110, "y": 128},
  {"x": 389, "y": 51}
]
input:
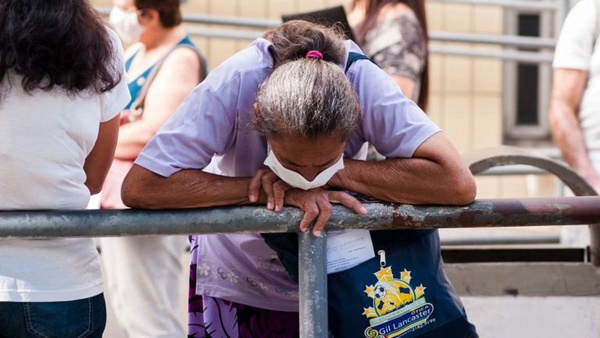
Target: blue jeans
[{"x": 83, "y": 318}]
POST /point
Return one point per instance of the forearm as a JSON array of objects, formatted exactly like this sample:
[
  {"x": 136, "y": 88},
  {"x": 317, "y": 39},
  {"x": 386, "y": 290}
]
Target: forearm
[
  {"x": 568, "y": 136},
  {"x": 133, "y": 137},
  {"x": 408, "y": 180},
  {"x": 184, "y": 189},
  {"x": 129, "y": 151},
  {"x": 568, "y": 86},
  {"x": 407, "y": 86},
  {"x": 98, "y": 161}
]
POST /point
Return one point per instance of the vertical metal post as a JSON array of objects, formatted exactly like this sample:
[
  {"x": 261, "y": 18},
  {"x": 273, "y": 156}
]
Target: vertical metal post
[
  {"x": 312, "y": 265},
  {"x": 595, "y": 244}
]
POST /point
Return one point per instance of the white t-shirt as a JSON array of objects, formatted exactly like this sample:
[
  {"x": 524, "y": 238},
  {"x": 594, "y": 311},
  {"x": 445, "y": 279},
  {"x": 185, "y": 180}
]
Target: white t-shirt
[
  {"x": 578, "y": 47},
  {"x": 45, "y": 138}
]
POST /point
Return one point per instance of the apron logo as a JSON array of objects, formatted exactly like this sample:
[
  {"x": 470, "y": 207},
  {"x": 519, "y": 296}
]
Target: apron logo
[{"x": 398, "y": 308}]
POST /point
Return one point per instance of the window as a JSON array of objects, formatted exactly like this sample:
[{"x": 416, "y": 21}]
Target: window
[{"x": 527, "y": 85}]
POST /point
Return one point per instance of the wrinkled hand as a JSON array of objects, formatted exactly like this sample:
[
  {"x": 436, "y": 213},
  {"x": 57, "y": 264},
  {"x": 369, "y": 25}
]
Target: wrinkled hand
[
  {"x": 273, "y": 187},
  {"x": 316, "y": 204}
]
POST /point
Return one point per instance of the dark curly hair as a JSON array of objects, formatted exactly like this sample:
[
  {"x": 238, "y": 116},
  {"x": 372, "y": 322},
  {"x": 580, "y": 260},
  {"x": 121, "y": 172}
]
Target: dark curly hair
[{"x": 56, "y": 43}]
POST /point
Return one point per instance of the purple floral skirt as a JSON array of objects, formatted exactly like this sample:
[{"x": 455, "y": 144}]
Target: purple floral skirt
[{"x": 210, "y": 317}]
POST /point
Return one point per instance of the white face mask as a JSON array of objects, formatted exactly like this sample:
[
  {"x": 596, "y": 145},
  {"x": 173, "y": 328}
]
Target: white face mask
[
  {"x": 126, "y": 24},
  {"x": 298, "y": 181}
]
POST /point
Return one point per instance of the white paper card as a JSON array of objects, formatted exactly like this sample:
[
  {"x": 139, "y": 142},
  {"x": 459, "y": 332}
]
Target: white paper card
[{"x": 348, "y": 248}]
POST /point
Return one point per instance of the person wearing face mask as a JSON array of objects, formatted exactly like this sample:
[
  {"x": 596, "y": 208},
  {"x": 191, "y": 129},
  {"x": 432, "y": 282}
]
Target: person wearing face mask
[
  {"x": 288, "y": 119},
  {"x": 143, "y": 272},
  {"x": 296, "y": 180}
]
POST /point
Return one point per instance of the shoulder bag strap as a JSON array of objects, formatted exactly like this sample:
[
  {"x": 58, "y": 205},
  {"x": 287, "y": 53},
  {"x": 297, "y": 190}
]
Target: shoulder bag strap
[
  {"x": 354, "y": 56},
  {"x": 137, "y": 106}
]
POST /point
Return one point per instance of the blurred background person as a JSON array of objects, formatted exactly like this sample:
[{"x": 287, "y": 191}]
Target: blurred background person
[
  {"x": 143, "y": 272},
  {"x": 62, "y": 86},
  {"x": 575, "y": 103},
  {"x": 393, "y": 34}
]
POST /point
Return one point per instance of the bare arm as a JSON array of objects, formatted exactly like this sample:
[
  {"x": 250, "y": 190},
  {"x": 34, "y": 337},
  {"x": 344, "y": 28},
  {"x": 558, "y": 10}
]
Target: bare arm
[
  {"x": 406, "y": 85},
  {"x": 197, "y": 189},
  {"x": 567, "y": 89},
  {"x": 184, "y": 189},
  {"x": 401, "y": 55},
  {"x": 177, "y": 77},
  {"x": 100, "y": 158},
  {"x": 436, "y": 174}
]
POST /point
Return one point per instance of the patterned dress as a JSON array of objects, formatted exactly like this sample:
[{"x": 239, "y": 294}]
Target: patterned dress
[
  {"x": 210, "y": 317},
  {"x": 397, "y": 45}
]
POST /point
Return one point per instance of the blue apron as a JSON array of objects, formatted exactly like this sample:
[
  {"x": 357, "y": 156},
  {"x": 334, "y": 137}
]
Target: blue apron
[{"x": 405, "y": 295}]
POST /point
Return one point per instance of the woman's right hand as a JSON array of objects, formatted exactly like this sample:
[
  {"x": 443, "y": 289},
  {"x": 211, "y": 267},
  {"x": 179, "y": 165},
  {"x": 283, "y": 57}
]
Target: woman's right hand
[{"x": 272, "y": 185}]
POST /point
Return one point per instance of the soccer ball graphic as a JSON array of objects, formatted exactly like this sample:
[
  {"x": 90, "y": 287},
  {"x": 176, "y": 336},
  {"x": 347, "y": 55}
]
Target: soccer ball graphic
[{"x": 379, "y": 292}]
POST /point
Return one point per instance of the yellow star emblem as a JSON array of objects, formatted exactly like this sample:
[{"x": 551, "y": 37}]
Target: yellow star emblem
[
  {"x": 370, "y": 291},
  {"x": 405, "y": 276},
  {"x": 420, "y": 291},
  {"x": 369, "y": 313},
  {"x": 384, "y": 274}
]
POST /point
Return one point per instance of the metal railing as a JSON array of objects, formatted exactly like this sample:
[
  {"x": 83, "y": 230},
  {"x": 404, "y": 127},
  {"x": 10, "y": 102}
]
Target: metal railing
[
  {"x": 434, "y": 36},
  {"x": 252, "y": 28},
  {"x": 224, "y": 220},
  {"x": 519, "y": 4},
  {"x": 312, "y": 250}
]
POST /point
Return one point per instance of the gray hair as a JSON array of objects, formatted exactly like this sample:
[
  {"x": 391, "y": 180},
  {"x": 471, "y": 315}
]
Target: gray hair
[{"x": 307, "y": 98}]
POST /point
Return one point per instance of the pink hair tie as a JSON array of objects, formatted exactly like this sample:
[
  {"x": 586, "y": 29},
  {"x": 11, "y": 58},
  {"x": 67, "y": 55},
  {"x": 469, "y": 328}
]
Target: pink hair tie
[{"x": 314, "y": 54}]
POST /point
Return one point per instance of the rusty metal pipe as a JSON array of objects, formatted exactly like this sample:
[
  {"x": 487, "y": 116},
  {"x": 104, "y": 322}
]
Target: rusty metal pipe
[
  {"x": 483, "y": 159},
  {"x": 481, "y": 213}
]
